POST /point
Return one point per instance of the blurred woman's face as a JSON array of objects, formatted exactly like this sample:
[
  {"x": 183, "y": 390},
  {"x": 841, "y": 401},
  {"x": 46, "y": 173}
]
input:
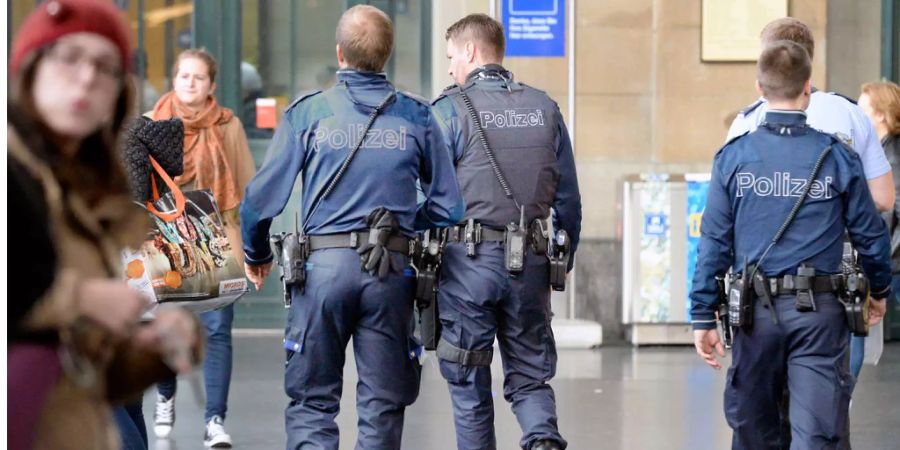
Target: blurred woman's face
[
  {"x": 192, "y": 84},
  {"x": 76, "y": 85},
  {"x": 865, "y": 103}
]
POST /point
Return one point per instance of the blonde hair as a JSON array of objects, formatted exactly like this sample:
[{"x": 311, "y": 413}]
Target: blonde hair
[
  {"x": 885, "y": 99},
  {"x": 366, "y": 36}
]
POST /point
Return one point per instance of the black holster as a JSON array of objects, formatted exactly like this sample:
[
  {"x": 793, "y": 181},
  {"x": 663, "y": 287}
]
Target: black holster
[
  {"x": 724, "y": 321},
  {"x": 856, "y": 303},
  {"x": 426, "y": 260},
  {"x": 560, "y": 252},
  {"x": 292, "y": 252},
  {"x": 740, "y": 300}
]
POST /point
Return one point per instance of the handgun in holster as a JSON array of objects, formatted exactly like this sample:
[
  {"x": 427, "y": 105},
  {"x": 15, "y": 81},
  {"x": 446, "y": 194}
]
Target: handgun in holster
[
  {"x": 855, "y": 295},
  {"x": 724, "y": 322},
  {"x": 560, "y": 252},
  {"x": 740, "y": 300},
  {"x": 292, "y": 250},
  {"x": 426, "y": 260}
]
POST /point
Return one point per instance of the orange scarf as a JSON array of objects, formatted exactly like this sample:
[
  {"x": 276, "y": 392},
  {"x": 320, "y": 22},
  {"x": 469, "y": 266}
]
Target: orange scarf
[{"x": 205, "y": 162}]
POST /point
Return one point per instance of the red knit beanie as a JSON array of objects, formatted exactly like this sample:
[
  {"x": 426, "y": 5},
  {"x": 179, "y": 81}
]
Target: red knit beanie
[{"x": 54, "y": 19}]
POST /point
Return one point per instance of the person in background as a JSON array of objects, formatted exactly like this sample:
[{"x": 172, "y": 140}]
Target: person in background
[
  {"x": 216, "y": 157},
  {"x": 69, "y": 96},
  {"x": 881, "y": 102},
  {"x": 251, "y": 89}
]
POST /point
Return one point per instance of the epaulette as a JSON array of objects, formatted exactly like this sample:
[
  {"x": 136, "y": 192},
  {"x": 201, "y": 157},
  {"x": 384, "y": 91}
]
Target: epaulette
[
  {"x": 444, "y": 93},
  {"x": 303, "y": 96},
  {"x": 530, "y": 87},
  {"x": 731, "y": 141},
  {"x": 416, "y": 97},
  {"x": 751, "y": 108},
  {"x": 843, "y": 97}
]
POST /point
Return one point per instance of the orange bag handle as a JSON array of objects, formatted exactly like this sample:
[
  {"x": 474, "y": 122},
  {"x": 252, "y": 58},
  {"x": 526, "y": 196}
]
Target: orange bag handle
[{"x": 167, "y": 216}]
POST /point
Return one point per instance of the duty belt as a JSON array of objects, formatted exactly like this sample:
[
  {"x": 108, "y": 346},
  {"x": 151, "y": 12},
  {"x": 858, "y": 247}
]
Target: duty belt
[
  {"x": 790, "y": 284},
  {"x": 482, "y": 233},
  {"x": 354, "y": 240}
]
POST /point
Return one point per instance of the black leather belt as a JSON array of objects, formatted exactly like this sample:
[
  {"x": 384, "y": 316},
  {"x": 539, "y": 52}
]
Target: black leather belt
[
  {"x": 482, "y": 233},
  {"x": 790, "y": 284},
  {"x": 354, "y": 240}
]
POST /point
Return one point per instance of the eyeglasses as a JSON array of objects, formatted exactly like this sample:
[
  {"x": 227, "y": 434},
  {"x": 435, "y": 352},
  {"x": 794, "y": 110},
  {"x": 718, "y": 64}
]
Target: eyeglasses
[{"x": 73, "y": 58}]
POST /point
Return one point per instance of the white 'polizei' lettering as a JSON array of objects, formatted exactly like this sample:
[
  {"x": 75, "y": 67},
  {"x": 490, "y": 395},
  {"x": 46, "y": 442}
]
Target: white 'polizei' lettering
[
  {"x": 339, "y": 138},
  {"x": 512, "y": 118},
  {"x": 781, "y": 185}
]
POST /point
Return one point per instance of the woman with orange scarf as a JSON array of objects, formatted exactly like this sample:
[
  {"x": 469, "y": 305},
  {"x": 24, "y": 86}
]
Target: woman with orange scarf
[{"x": 216, "y": 157}]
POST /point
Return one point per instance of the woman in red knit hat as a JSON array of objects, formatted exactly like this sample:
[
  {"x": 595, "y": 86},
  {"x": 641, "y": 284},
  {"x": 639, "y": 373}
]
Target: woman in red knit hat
[{"x": 70, "y": 96}]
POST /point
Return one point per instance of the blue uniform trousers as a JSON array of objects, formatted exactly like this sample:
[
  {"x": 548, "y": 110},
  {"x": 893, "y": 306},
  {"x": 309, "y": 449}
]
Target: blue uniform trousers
[
  {"x": 478, "y": 301},
  {"x": 341, "y": 301},
  {"x": 805, "y": 351}
]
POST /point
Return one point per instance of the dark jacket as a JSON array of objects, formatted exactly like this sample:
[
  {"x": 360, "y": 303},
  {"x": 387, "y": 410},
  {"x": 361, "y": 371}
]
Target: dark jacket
[{"x": 756, "y": 181}]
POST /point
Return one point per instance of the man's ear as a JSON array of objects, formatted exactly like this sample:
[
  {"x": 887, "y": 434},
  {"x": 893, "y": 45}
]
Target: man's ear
[
  {"x": 470, "y": 51},
  {"x": 339, "y": 53},
  {"x": 759, "y": 89},
  {"x": 807, "y": 87}
]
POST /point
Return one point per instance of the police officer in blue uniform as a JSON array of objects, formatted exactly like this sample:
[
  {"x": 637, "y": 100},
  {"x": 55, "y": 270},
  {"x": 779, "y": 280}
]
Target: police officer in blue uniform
[
  {"x": 377, "y": 194},
  {"x": 757, "y": 179},
  {"x": 835, "y": 114},
  {"x": 531, "y": 166},
  {"x": 829, "y": 112}
]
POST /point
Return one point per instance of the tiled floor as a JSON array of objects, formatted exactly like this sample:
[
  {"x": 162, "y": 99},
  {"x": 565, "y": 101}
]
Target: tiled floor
[{"x": 610, "y": 398}]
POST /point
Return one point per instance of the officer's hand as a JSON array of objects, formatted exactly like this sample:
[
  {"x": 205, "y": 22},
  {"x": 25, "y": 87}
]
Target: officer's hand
[
  {"x": 258, "y": 274},
  {"x": 705, "y": 341},
  {"x": 877, "y": 308}
]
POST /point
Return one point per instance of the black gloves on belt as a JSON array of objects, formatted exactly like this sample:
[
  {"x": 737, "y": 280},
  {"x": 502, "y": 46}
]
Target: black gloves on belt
[{"x": 373, "y": 254}]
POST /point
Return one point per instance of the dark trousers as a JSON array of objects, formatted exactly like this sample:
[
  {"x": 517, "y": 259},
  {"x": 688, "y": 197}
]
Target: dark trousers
[
  {"x": 806, "y": 352},
  {"x": 132, "y": 428},
  {"x": 478, "y": 301},
  {"x": 341, "y": 301}
]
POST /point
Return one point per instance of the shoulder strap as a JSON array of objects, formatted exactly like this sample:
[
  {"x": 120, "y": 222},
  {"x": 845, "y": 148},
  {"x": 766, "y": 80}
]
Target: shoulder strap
[
  {"x": 495, "y": 166},
  {"x": 343, "y": 169},
  {"x": 177, "y": 194}
]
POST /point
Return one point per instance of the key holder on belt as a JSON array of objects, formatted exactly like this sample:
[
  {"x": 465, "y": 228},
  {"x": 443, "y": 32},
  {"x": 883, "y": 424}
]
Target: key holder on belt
[{"x": 745, "y": 319}]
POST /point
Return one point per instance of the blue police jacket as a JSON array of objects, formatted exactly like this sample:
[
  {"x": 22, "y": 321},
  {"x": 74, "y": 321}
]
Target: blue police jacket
[
  {"x": 756, "y": 180},
  {"x": 403, "y": 147},
  {"x": 454, "y": 120}
]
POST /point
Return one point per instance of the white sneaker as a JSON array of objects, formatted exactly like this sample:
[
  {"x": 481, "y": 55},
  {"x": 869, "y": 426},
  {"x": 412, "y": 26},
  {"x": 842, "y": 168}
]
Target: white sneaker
[
  {"x": 215, "y": 436},
  {"x": 164, "y": 416}
]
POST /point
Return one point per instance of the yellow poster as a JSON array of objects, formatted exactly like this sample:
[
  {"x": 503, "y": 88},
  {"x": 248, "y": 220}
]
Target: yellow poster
[{"x": 730, "y": 30}]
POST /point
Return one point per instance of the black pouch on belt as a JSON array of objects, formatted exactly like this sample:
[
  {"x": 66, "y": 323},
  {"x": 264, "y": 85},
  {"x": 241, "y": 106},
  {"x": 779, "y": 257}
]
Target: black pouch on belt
[{"x": 804, "y": 283}]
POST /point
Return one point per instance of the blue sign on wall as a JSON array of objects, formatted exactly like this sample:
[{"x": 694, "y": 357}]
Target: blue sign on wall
[
  {"x": 656, "y": 224},
  {"x": 535, "y": 28}
]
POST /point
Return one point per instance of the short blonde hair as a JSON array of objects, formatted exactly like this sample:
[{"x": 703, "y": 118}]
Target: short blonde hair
[
  {"x": 885, "y": 99},
  {"x": 366, "y": 36}
]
